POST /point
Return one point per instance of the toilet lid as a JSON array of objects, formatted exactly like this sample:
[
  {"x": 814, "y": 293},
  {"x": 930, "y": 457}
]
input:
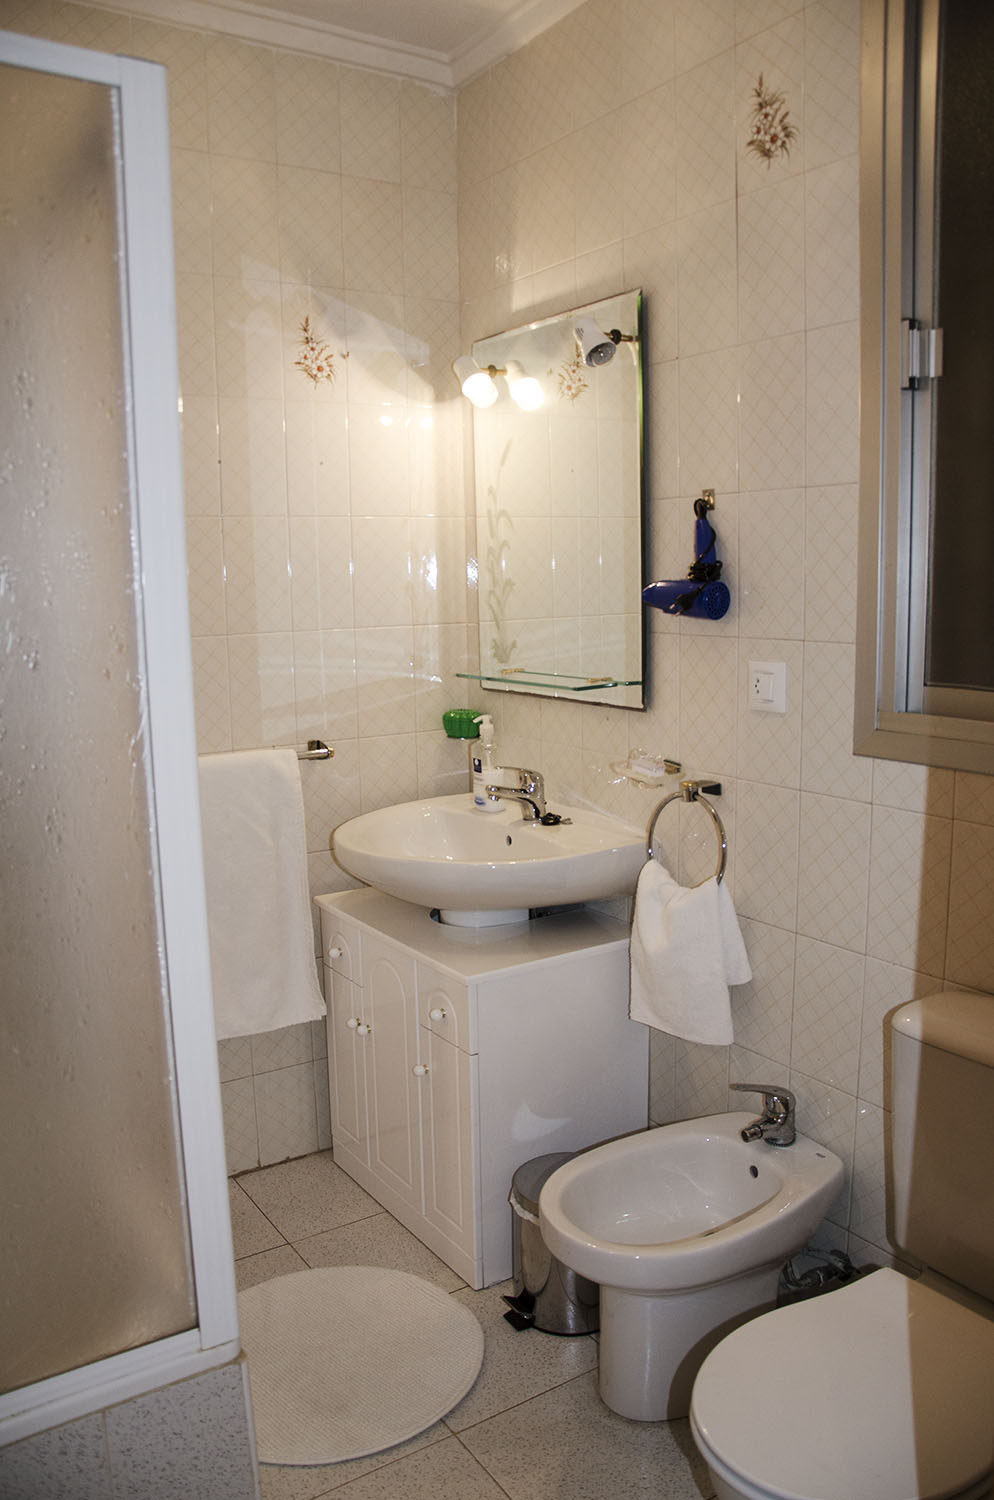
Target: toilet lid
[{"x": 883, "y": 1389}]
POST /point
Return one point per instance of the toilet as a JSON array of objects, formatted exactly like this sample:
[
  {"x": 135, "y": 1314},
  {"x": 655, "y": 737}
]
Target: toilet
[{"x": 883, "y": 1389}]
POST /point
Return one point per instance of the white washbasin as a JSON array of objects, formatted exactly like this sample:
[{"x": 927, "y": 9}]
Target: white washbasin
[{"x": 481, "y": 868}]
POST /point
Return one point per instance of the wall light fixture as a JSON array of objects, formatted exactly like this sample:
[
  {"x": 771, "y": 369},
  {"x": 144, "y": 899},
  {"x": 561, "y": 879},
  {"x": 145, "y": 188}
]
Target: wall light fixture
[{"x": 597, "y": 347}]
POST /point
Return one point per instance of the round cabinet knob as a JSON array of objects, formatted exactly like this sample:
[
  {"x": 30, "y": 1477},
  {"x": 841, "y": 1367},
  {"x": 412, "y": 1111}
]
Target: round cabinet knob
[
  {"x": 362, "y": 1029},
  {"x": 334, "y": 952},
  {"x": 419, "y": 1070},
  {"x": 438, "y": 1014},
  {"x": 352, "y": 1023}
]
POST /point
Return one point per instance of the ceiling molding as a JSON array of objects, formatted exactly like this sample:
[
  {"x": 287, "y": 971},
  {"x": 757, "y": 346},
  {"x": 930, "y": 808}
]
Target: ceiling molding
[{"x": 270, "y": 27}]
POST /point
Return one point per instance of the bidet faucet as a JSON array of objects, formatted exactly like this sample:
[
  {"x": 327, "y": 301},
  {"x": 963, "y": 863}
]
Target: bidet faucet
[
  {"x": 530, "y": 792},
  {"x": 776, "y": 1124}
]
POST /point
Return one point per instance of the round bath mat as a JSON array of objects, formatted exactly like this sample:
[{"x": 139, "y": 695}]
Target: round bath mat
[{"x": 348, "y": 1360}]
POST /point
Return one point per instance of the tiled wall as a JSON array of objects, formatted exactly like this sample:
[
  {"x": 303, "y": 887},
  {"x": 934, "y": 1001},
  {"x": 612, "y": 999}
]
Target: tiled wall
[
  {"x": 609, "y": 153},
  {"x": 613, "y": 152}
]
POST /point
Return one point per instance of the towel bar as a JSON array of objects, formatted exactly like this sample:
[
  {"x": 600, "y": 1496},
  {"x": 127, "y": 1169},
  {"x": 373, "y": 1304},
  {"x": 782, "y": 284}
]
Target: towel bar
[
  {"x": 693, "y": 791},
  {"x": 316, "y": 750}
]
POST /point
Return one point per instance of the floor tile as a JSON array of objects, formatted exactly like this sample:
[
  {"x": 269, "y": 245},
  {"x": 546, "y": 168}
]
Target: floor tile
[
  {"x": 567, "y": 1443},
  {"x": 299, "y": 1482},
  {"x": 444, "y": 1471},
  {"x": 378, "y": 1241},
  {"x": 252, "y": 1269},
  {"x": 250, "y": 1229},
  {"x": 308, "y": 1195},
  {"x": 516, "y": 1365}
]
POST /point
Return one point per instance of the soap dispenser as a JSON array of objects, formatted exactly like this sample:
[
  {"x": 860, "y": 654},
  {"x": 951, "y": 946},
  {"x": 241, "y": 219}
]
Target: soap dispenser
[{"x": 485, "y": 772}]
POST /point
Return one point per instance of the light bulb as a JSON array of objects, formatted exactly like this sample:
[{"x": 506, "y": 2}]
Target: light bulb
[
  {"x": 477, "y": 385},
  {"x": 524, "y": 389}
]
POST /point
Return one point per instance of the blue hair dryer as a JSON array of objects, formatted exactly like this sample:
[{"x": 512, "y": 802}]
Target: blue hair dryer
[{"x": 702, "y": 592}]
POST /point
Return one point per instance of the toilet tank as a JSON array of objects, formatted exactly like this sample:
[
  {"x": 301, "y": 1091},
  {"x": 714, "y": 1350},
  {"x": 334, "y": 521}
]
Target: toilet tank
[{"x": 943, "y": 1135}]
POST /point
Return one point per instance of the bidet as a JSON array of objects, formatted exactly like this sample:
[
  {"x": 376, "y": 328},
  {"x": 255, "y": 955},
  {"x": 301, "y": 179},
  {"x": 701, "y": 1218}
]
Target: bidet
[{"x": 685, "y": 1228}]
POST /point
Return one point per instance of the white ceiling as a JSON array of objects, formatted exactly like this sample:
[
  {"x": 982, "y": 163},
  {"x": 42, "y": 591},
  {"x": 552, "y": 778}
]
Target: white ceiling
[{"x": 443, "y": 42}]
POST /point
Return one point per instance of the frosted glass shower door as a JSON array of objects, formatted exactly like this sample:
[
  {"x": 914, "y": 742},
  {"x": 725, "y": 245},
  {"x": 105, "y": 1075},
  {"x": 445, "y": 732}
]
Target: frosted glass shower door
[{"x": 105, "y": 1022}]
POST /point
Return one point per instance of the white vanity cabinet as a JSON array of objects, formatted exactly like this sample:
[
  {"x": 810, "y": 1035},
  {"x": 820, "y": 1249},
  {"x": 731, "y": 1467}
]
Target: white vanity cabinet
[{"x": 456, "y": 1054}]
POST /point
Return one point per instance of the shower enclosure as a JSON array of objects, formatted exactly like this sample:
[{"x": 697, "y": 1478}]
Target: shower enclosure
[{"x": 115, "y": 1250}]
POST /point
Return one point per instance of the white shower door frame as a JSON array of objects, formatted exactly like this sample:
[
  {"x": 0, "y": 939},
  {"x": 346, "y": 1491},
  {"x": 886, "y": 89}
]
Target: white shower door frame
[{"x": 151, "y": 361}]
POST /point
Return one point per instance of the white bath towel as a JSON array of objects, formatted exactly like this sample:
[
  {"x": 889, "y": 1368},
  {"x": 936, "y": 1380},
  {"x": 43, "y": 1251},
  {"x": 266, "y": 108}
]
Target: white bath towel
[
  {"x": 258, "y": 906},
  {"x": 686, "y": 950}
]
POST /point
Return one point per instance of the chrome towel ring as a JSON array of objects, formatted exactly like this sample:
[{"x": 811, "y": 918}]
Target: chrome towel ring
[{"x": 693, "y": 791}]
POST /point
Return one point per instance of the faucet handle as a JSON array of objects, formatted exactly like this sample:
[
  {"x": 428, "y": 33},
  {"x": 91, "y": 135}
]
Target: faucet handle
[{"x": 776, "y": 1099}]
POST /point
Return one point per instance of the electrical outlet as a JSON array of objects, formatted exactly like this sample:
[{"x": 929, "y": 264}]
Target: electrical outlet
[{"x": 766, "y": 689}]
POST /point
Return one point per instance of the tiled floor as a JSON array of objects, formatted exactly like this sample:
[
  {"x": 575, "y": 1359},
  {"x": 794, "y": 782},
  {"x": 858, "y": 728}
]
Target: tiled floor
[{"x": 532, "y": 1427}]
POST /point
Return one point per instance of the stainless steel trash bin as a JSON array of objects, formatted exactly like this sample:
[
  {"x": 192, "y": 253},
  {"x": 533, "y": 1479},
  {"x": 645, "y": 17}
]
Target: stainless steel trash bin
[{"x": 547, "y": 1294}]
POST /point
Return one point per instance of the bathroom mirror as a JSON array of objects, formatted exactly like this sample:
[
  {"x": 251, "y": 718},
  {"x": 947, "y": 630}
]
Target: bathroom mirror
[
  {"x": 925, "y": 673},
  {"x": 559, "y": 506}
]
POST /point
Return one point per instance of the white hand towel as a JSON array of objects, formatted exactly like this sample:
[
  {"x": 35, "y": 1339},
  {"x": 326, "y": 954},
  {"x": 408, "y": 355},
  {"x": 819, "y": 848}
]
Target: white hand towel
[
  {"x": 686, "y": 949},
  {"x": 258, "y": 904}
]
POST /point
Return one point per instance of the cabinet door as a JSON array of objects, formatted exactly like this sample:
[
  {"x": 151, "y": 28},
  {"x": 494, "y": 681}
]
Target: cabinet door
[
  {"x": 346, "y": 1048},
  {"x": 449, "y": 1131},
  {"x": 392, "y": 1087}
]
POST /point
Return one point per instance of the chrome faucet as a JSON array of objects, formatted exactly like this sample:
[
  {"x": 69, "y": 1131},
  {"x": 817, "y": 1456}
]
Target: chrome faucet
[
  {"x": 530, "y": 792},
  {"x": 776, "y": 1123}
]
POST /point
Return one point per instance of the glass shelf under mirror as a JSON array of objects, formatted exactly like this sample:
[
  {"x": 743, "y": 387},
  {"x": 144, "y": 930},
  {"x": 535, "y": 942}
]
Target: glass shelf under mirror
[{"x": 560, "y": 682}]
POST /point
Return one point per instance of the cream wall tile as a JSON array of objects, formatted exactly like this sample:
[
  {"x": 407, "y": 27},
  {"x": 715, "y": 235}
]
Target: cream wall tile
[
  {"x": 650, "y": 166},
  {"x": 831, "y": 80},
  {"x": 761, "y": 1009},
  {"x": 370, "y": 119},
  {"x": 241, "y": 1133},
  {"x": 831, "y": 234},
  {"x": 708, "y": 294},
  {"x": 828, "y": 998},
  {"x": 475, "y": 238},
  {"x": 869, "y": 1188},
  {"x": 286, "y": 1113},
  {"x": 324, "y": 677},
  {"x": 909, "y": 889},
  {"x": 771, "y": 260},
  {"x": 648, "y": 46},
  {"x": 974, "y": 797},
  {"x": 701, "y": 1080},
  {"x": 212, "y": 693},
  {"x": 252, "y": 457},
  {"x": 772, "y": 413},
  {"x": 601, "y": 150},
  {"x": 257, "y": 574},
  {"x": 587, "y": 44},
  {"x": 970, "y": 951},
  {"x": 771, "y": 565},
  {"x": 86, "y": 26},
  {"x": 473, "y": 158},
  {"x": 431, "y": 259},
  {"x": 388, "y": 770},
  {"x": 914, "y": 788},
  {"x": 195, "y": 334},
  {"x": 709, "y": 422},
  {"x": 428, "y": 138},
  {"x": 307, "y": 112},
  {"x": 379, "y": 461},
  {"x": 249, "y": 337},
  {"x": 827, "y": 762},
  {"x": 205, "y": 575},
  {"x": 310, "y": 226},
  {"x": 191, "y": 211},
  {"x": 832, "y": 404},
  {"x": 262, "y": 694},
  {"x": 381, "y": 553},
  {"x": 828, "y": 1115},
  {"x": 834, "y": 871},
  {"x": 703, "y": 28},
  {"x": 373, "y": 235},
  {"x": 244, "y": 207},
  {"x": 705, "y": 124},
  {"x": 241, "y": 102},
  {"x": 185, "y": 55},
  {"x": 886, "y": 987},
  {"x": 385, "y": 680},
  {"x": 708, "y": 674},
  {"x": 767, "y": 854},
  {"x": 378, "y": 348},
  {"x": 830, "y": 519},
  {"x": 317, "y": 458},
  {"x": 321, "y": 572},
  {"x": 201, "y": 459}
]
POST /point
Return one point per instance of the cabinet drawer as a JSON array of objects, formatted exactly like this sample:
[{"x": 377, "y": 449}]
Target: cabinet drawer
[
  {"x": 341, "y": 947},
  {"x": 445, "y": 1007}
]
